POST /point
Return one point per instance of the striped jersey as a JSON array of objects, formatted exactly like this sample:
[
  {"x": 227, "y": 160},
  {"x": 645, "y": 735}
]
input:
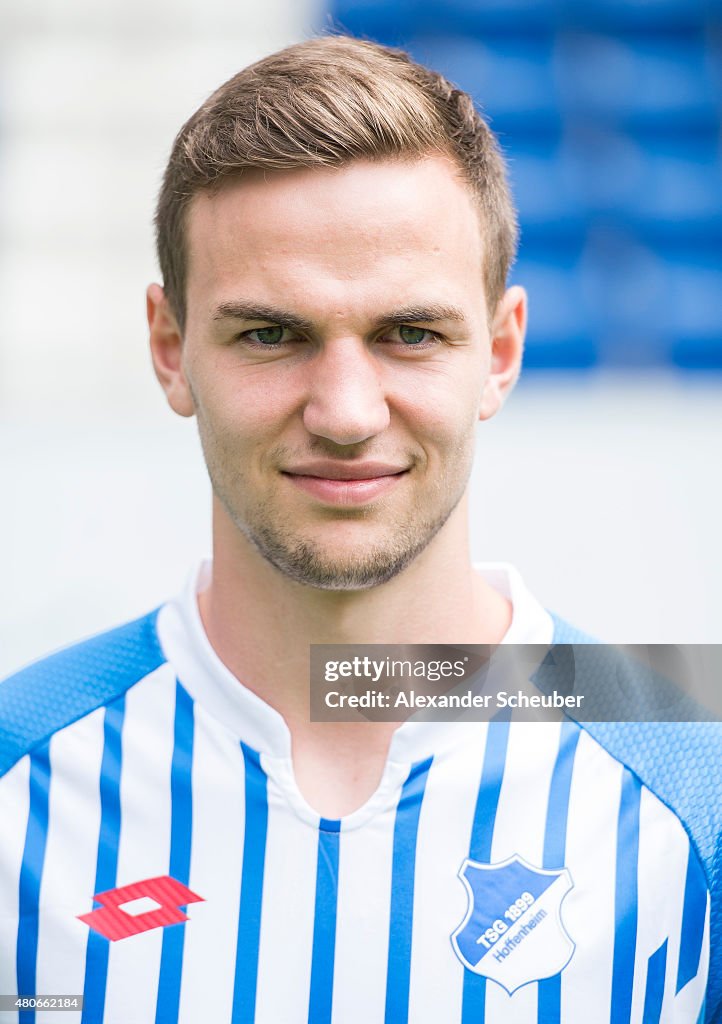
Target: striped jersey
[{"x": 158, "y": 858}]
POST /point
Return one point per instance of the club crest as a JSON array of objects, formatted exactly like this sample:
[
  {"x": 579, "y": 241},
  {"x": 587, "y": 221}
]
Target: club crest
[{"x": 513, "y": 931}]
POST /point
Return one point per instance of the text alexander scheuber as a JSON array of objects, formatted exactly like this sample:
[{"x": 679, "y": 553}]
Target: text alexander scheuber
[{"x": 430, "y": 671}]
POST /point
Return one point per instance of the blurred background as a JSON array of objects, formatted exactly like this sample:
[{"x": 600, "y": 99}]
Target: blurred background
[{"x": 600, "y": 480}]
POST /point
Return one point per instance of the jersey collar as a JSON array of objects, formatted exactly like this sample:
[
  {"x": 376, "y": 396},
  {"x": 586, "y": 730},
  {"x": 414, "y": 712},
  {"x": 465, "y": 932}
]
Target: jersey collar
[{"x": 213, "y": 685}]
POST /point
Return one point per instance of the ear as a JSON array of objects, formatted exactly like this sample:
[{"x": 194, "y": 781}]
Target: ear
[
  {"x": 507, "y": 345},
  {"x": 166, "y": 348}
]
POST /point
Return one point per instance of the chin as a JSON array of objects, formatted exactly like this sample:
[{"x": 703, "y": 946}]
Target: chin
[
  {"x": 312, "y": 564},
  {"x": 341, "y": 556},
  {"x": 341, "y": 573}
]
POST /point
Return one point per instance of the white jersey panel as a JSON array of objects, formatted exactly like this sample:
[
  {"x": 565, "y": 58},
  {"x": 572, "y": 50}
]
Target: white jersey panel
[
  {"x": 519, "y": 830},
  {"x": 287, "y": 916},
  {"x": 144, "y": 845},
  {"x": 216, "y": 862},
  {"x": 440, "y": 902},
  {"x": 662, "y": 851},
  {"x": 70, "y": 857},
  {"x": 362, "y": 927},
  {"x": 521, "y": 816},
  {"x": 591, "y": 851}
]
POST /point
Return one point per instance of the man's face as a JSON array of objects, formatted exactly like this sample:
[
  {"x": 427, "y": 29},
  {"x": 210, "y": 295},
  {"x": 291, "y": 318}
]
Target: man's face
[{"x": 337, "y": 355}]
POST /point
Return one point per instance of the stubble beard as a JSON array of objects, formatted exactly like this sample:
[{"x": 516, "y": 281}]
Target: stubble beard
[
  {"x": 307, "y": 562},
  {"x": 276, "y": 536}
]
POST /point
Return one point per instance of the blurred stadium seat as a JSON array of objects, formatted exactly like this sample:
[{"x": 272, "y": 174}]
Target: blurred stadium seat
[
  {"x": 516, "y": 74},
  {"x": 664, "y": 84},
  {"x": 609, "y": 113}
]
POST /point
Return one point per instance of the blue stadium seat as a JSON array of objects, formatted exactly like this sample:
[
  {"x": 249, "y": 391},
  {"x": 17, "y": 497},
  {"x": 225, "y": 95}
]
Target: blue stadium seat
[
  {"x": 679, "y": 191},
  {"x": 561, "y": 331},
  {"x": 512, "y": 82},
  {"x": 661, "y": 83},
  {"x": 625, "y": 286},
  {"x": 661, "y": 187},
  {"x": 409, "y": 17},
  {"x": 695, "y": 337},
  {"x": 515, "y": 17},
  {"x": 379, "y": 20},
  {"x": 546, "y": 189},
  {"x": 648, "y": 304},
  {"x": 620, "y": 303},
  {"x": 633, "y": 15}
]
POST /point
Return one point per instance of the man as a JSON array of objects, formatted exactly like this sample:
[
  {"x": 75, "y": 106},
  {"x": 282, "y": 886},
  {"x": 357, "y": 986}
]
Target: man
[{"x": 180, "y": 841}]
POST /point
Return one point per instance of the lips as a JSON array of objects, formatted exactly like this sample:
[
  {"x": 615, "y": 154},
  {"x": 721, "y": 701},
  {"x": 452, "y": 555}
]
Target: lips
[
  {"x": 344, "y": 483},
  {"x": 329, "y": 470}
]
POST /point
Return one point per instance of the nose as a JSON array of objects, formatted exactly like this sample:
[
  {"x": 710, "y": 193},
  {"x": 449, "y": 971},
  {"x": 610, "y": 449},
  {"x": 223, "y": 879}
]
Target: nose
[{"x": 346, "y": 398}]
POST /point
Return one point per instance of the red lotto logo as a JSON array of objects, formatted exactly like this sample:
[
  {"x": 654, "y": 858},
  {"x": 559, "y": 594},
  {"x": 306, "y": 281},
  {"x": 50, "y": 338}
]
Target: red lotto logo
[{"x": 117, "y": 919}]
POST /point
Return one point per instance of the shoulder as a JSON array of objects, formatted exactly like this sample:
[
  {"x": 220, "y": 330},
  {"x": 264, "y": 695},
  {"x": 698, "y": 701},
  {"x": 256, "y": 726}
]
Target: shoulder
[
  {"x": 681, "y": 764},
  {"x": 672, "y": 745},
  {"x": 58, "y": 690},
  {"x": 637, "y": 706}
]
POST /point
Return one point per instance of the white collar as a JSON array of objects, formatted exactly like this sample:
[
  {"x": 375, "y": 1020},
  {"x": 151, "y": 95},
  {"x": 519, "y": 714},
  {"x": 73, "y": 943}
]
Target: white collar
[{"x": 212, "y": 684}]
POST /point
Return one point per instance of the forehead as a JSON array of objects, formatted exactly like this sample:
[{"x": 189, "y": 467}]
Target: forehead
[{"x": 365, "y": 222}]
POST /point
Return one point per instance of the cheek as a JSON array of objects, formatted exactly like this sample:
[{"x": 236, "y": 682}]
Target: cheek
[
  {"x": 230, "y": 431},
  {"x": 234, "y": 439},
  {"x": 238, "y": 403},
  {"x": 445, "y": 406}
]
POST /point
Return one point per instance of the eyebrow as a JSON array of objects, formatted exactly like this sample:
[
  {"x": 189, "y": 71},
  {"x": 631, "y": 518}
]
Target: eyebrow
[
  {"x": 432, "y": 313},
  {"x": 252, "y": 311}
]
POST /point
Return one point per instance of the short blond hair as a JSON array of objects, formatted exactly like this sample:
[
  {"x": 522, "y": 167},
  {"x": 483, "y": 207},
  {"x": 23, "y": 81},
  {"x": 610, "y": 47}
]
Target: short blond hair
[{"x": 325, "y": 103}]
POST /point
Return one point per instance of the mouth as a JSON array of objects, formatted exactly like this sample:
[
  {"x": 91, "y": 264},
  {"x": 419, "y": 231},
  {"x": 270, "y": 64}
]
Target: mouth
[{"x": 345, "y": 484}]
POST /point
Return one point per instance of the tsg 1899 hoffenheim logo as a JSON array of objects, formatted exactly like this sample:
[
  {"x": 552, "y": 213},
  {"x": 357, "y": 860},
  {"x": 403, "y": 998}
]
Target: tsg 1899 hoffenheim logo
[{"x": 513, "y": 931}]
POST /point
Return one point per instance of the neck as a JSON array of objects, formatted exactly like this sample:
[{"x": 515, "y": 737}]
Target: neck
[{"x": 261, "y": 623}]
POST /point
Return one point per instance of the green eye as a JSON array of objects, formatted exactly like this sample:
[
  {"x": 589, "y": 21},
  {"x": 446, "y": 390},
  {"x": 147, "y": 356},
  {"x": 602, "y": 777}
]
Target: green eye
[
  {"x": 269, "y": 335},
  {"x": 412, "y": 335}
]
